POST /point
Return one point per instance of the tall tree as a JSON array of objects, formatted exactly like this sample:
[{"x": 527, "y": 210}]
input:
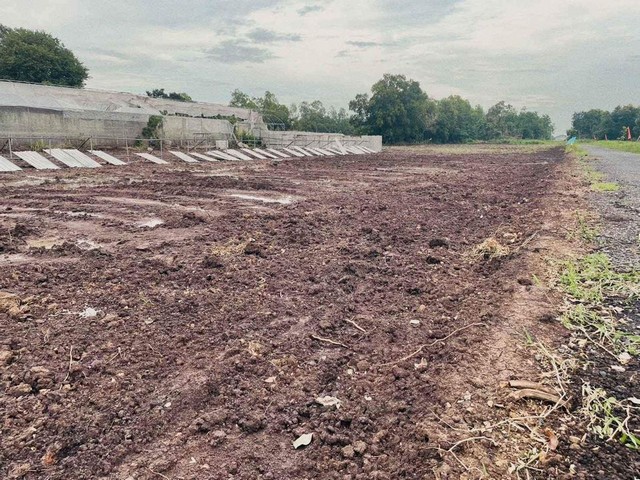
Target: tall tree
[
  {"x": 621, "y": 118},
  {"x": 502, "y": 121},
  {"x": 242, "y": 100},
  {"x": 457, "y": 121},
  {"x": 315, "y": 117},
  {"x": 273, "y": 112},
  {"x": 35, "y": 56},
  {"x": 600, "y": 123},
  {"x": 532, "y": 125},
  {"x": 593, "y": 123},
  {"x": 398, "y": 109},
  {"x": 360, "y": 107}
]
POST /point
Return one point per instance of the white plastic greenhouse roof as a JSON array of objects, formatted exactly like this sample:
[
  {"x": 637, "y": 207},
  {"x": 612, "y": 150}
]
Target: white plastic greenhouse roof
[{"x": 15, "y": 94}]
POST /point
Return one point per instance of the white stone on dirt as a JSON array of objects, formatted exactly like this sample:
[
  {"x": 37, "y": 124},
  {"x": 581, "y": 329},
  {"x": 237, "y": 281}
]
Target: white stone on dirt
[
  {"x": 303, "y": 440},
  {"x": 329, "y": 401},
  {"x": 89, "y": 313}
]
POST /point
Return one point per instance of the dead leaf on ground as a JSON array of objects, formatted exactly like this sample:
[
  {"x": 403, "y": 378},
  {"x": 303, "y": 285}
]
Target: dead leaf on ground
[{"x": 552, "y": 438}]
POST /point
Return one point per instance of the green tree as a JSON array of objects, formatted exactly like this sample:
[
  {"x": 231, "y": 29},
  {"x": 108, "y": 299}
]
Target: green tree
[
  {"x": 273, "y": 112},
  {"x": 398, "y": 110},
  {"x": 242, "y": 100},
  {"x": 593, "y": 123},
  {"x": 315, "y": 117},
  {"x": 160, "y": 93},
  {"x": 532, "y": 125},
  {"x": 457, "y": 121},
  {"x": 621, "y": 118},
  {"x": 35, "y": 56},
  {"x": 341, "y": 122},
  {"x": 599, "y": 124},
  {"x": 502, "y": 121},
  {"x": 360, "y": 107}
]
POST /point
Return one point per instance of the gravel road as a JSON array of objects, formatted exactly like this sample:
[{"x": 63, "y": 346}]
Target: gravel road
[{"x": 620, "y": 211}]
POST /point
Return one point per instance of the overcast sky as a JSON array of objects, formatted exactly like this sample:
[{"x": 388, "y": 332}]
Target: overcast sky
[{"x": 553, "y": 56}]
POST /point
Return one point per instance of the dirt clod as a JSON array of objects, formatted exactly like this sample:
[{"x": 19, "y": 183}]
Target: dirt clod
[
  {"x": 359, "y": 447},
  {"x": 9, "y": 302},
  {"x": 19, "y": 390},
  {"x": 348, "y": 451},
  {"x": 6, "y": 356},
  {"x": 439, "y": 242}
]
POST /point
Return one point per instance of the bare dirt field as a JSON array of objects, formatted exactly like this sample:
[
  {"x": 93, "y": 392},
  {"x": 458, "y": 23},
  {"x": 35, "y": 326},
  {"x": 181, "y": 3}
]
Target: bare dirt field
[{"x": 185, "y": 321}]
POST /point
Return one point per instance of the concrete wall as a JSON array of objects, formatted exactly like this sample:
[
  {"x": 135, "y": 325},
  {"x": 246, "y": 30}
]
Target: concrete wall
[
  {"x": 187, "y": 128},
  {"x": 20, "y": 122},
  {"x": 277, "y": 139},
  {"x": 25, "y": 125}
]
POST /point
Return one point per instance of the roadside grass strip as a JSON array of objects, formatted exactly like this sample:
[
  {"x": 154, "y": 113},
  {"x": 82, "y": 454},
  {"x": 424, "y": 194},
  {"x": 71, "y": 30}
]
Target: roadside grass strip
[
  {"x": 605, "y": 187},
  {"x": 594, "y": 290}
]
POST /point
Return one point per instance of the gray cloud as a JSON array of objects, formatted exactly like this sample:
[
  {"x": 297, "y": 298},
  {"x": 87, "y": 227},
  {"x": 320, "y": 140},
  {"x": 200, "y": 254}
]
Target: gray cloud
[
  {"x": 262, "y": 35},
  {"x": 415, "y": 12},
  {"x": 234, "y": 51},
  {"x": 362, "y": 44},
  {"x": 309, "y": 9}
]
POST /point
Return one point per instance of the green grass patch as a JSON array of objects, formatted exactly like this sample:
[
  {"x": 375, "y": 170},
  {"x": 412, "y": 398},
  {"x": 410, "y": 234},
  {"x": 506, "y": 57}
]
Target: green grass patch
[
  {"x": 593, "y": 176},
  {"x": 601, "y": 328},
  {"x": 608, "y": 416},
  {"x": 596, "y": 179},
  {"x": 592, "y": 278},
  {"x": 590, "y": 282},
  {"x": 584, "y": 229},
  {"x": 632, "y": 147},
  {"x": 576, "y": 150},
  {"x": 605, "y": 187}
]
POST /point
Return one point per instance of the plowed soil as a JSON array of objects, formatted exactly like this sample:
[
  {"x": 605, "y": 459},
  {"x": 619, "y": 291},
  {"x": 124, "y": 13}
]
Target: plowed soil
[{"x": 181, "y": 321}]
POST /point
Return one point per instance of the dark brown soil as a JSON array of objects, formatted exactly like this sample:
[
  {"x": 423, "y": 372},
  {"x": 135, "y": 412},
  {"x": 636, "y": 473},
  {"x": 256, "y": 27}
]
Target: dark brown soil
[{"x": 217, "y": 329}]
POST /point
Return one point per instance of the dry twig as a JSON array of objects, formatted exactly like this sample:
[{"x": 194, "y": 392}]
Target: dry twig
[
  {"x": 532, "y": 385},
  {"x": 70, "y": 363},
  {"x": 537, "y": 394},
  {"x": 460, "y": 442},
  {"x": 328, "y": 340},
  {"x": 527, "y": 241},
  {"x": 355, "y": 325},
  {"x": 158, "y": 474},
  {"x": 432, "y": 344}
]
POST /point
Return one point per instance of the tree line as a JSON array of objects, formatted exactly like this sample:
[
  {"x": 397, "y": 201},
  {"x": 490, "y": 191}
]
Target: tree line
[
  {"x": 400, "y": 111},
  {"x": 600, "y": 124},
  {"x": 396, "y": 108},
  {"x": 306, "y": 116}
]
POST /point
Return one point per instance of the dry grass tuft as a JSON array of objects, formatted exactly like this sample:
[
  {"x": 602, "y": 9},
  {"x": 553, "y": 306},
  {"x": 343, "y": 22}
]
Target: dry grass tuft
[
  {"x": 490, "y": 249},
  {"x": 230, "y": 248}
]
